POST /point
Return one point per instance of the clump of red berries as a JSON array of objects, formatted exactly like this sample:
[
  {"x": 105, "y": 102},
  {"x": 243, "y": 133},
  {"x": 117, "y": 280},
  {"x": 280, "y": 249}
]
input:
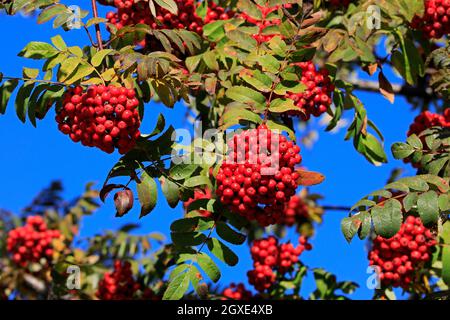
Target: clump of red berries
[
  {"x": 105, "y": 117},
  {"x": 427, "y": 120},
  {"x": 118, "y": 284},
  {"x": 400, "y": 257},
  {"x": 268, "y": 20},
  {"x": 295, "y": 209},
  {"x": 271, "y": 259},
  {"x": 132, "y": 12},
  {"x": 316, "y": 99},
  {"x": 236, "y": 292},
  {"x": 435, "y": 22},
  {"x": 258, "y": 175},
  {"x": 31, "y": 242},
  {"x": 216, "y": 13},
  {"x": 198, "y": 195}
]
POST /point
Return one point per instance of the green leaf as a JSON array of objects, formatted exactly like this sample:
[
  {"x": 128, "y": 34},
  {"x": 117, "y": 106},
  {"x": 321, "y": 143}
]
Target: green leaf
[
  {"x": 228, "y": 234},
  {"x": 209, "y": 57},
  {"x": 99, "y": 56},
  {"x": 147, "y": 194},
  {"x": 214, "y": 31},
  {"x": 258, "y": 80},
  {"x": 59, "y": 43},
  {"x": 197, "y": 181},
  {"x": 222, "y": 252},
  {"x": 414, "y": 141},
  {"x": 169, "y": 5},
  {"x": 272, "y": 125},
  {"x": 177, "y": 287},
  {"x": 22, "y": 99},
  {"x": 94, "y": 21},
  {"x": 410, "y": 201},
  {"x": 188, "y": 239},
  {"x": 397, "y": 185},
  {"x": 388, "y": 219},
  {"x": 50, "y": 12},
  {"x": 243, "y": 40},
  {"x": 192, "y": 224},
  {"x": 281, "y": 105},
  {"x": 234, "y": 116},
  {"x": 415, "y": 183},
  {"x": 374, "y": 149},
  {"x": 209, "y": 266},
  {"x": 366, "y": 225},
  {"x": 439, "y": 182},
  {"x": 349, "y": 227},
  {"x": 246, "y": 95},
  {"x": 170, "y": 191},
  {"x": 6, "y": 90},
  {"x": 182, "y": 171},
  {"x": 444, "y": 202},
  {"x": 29, "y": 73},
  {"x": 38, "y": 50},
  {"x": 428, "y": 207}
]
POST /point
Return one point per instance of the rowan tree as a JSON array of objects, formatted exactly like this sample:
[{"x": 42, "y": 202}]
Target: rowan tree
[{"x": 251, "y": 72}]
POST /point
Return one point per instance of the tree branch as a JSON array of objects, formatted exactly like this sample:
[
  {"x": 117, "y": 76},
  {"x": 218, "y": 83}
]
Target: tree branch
[
  {"x": 336, "y": 208},
  {"x": 97, "y": 26}
]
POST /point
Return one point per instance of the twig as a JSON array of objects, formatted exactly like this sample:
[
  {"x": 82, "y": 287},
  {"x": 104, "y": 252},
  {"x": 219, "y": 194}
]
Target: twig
[
  {"x": 36, "y": 80},
  {"x": 90, "y": 37},
  {"x": 97, "y": 26},
  {"x": 336, "y": 208}
]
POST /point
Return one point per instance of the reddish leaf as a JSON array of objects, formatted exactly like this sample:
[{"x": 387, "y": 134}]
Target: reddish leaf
[
  {"x": 108, "y": 188},
  {"x": 386, "y": 88},
  {"x": 123, "y": 200},
  {"x": 309, "y": 178}
]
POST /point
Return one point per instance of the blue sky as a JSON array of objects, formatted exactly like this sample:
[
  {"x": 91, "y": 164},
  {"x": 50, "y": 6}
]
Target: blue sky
[{"x": 32, "y": 157}]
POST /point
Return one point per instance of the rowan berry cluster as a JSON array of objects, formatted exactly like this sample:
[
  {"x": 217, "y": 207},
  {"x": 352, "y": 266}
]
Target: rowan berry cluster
[
  {"x": 271, "y": 259},
  {"x": 295, "y": 209},
  {"x": 268, "y": 19},
  {"x": 427, "y": 120},
  {"x": 316, "y": 99},
  {"x": 435, "y": 22},
  {"x": 216, "y": 12},
  {"x": 132, "y": 12},
  {"x": 31, "y": 242},
  {"x": 400, "y": 257},
  {"x": 236, "y": 292},
  {"x": 105, "y": 117},
  {"x": 258, "y": 175},
  {"x": 118, "y": 284},
  {"x": 198, "y": 195}
]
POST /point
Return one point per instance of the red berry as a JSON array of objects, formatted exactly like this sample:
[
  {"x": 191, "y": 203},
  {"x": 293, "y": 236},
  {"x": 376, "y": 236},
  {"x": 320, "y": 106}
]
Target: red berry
[
  {"x": 84, "y": 117},
  {"x": 31, "y": 242},
  {"x": 399, "y": 256},
  {"x": 250, "y": 181}
]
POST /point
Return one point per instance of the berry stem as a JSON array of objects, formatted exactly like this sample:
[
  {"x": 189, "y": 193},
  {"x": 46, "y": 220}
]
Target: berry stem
[
  {"x": 36, "y": 80},
  {"x": 97, "y": 26}
]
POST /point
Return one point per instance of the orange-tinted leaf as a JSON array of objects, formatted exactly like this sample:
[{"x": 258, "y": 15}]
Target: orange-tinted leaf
[
  {"x": 309, "y": 178},
  {"x": 386, "y": 88}
]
